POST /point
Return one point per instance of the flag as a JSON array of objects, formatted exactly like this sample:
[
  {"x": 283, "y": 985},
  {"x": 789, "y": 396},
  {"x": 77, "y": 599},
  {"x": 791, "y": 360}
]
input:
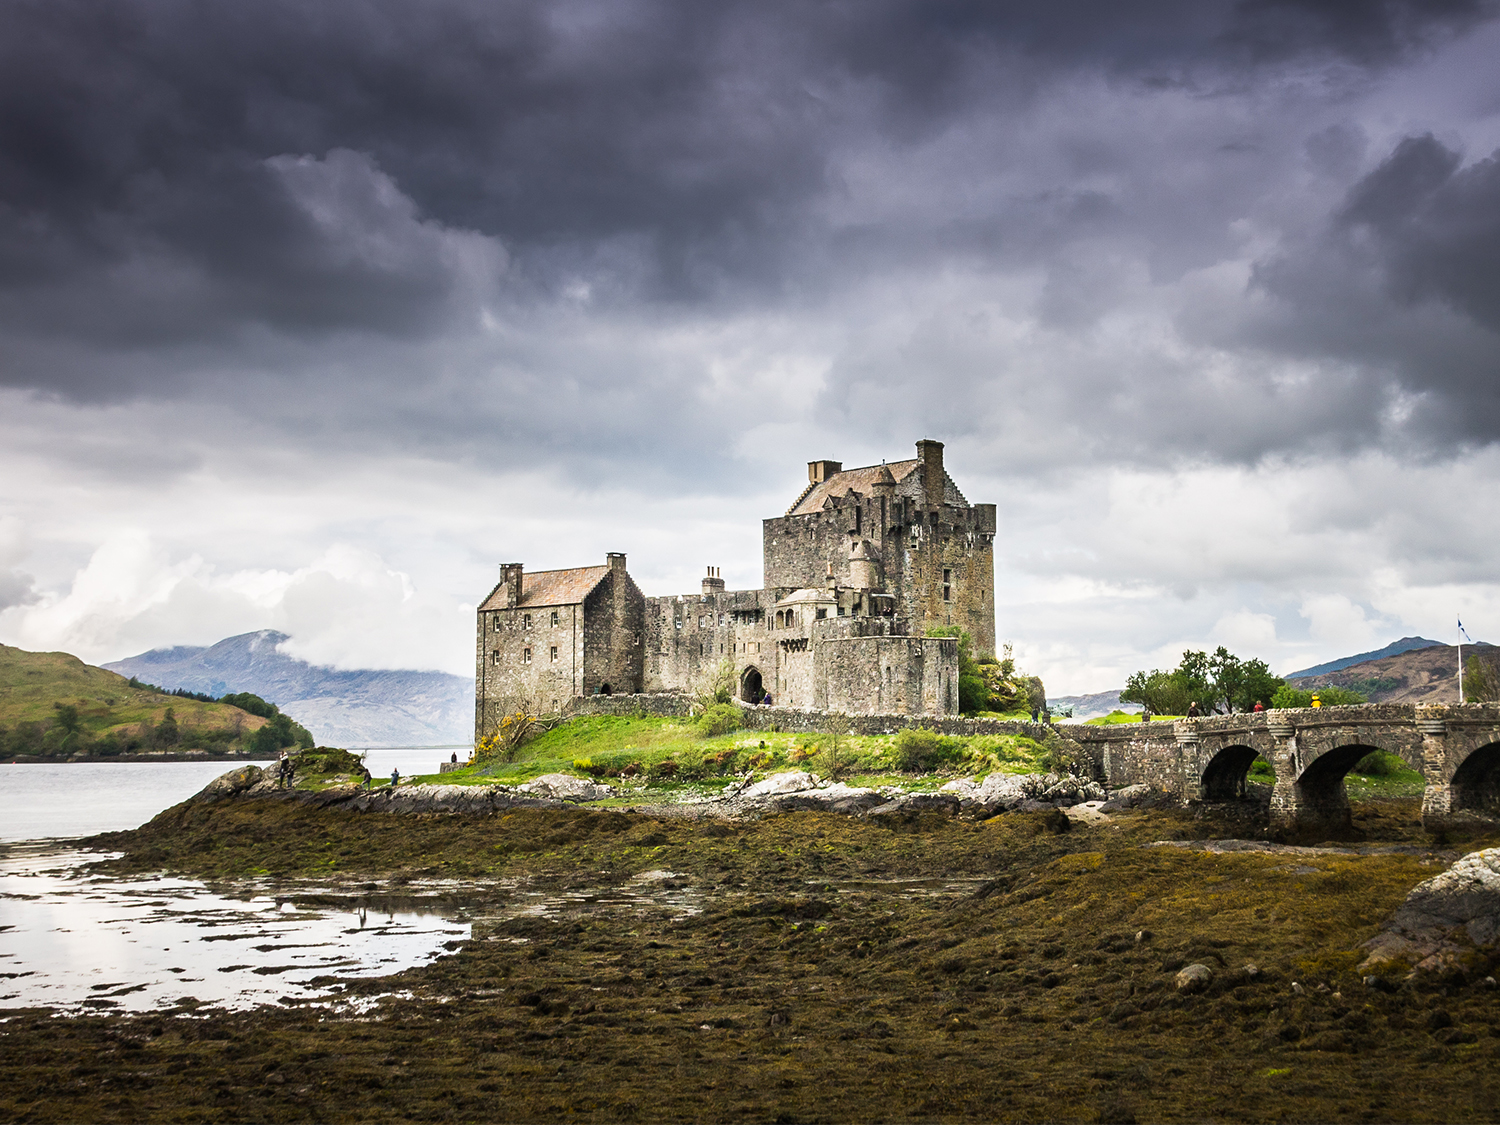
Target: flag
[{"x": 1463, "y": 634}]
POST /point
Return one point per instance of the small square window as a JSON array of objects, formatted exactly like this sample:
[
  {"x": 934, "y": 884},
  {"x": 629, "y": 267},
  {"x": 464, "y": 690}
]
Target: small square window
[
  {"x": 947, "y": 593},
  {"x": 947, "y": 574},
  {"x": 822, "y": 613},
  {"x": 554, "y": 654},
  {"x": 525, "y": 656}
]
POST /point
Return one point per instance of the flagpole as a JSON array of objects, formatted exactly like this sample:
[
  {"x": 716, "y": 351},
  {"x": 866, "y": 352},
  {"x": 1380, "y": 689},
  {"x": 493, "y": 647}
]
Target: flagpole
[{"x": 1460, "y": 662}]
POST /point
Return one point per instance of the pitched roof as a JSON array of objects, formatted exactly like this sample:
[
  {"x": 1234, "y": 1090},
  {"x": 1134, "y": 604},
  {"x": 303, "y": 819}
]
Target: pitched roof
[
  {"x": 842, "y": 483},
  {"x": 551, "y": 587}
]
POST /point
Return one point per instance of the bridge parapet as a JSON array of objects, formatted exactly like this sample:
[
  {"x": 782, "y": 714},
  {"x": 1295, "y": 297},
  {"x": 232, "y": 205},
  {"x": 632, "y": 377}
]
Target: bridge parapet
[{"x": 1310, "y": 749}]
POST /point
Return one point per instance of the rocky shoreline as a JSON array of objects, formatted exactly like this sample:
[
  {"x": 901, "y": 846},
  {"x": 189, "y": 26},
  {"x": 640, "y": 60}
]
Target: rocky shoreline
[{"x": 787, "y": 791}]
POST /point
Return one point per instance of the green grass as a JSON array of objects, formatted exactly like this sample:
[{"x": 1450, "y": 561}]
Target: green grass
[
  {"x": 1118, "y": 716},
  {"x": 634, "y": 753}
]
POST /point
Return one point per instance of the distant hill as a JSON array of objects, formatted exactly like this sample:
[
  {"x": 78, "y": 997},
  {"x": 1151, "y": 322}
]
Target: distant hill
[
  {"x": 351, "y": 709},
  {"x": 1092, "y": 706},
  {"x": 1419, "y": 675},
  {"x": 1395, "y": 648},
  {"x": 105, "y": 705}
]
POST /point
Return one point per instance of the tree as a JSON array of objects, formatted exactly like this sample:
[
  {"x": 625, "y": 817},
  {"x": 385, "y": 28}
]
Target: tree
[
  {"x": 1218, "y": 683},
  {"x": 1330, "y": 695},
  {"x": 67, "y": 717},
  {"x": 1481, "y": 684}
]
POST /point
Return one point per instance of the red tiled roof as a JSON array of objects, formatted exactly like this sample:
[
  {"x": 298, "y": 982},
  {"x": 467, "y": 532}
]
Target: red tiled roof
[
  {"x": 842, "y": 483},
  {"x": 551, "y": 587}
]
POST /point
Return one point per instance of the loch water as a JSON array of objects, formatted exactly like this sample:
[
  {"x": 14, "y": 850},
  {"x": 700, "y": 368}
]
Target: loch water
[{"x": 75, "y": 940}]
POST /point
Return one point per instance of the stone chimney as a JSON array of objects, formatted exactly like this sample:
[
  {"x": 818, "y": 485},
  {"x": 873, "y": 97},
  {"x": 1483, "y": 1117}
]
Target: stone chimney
[
  {"x": 712, "y": 583},
  {"x": 930, "y": 453},
  {"x": 510, "y": 578},
  {"x": 819, "y": 471},
  {"x": 616, "y": 560}
]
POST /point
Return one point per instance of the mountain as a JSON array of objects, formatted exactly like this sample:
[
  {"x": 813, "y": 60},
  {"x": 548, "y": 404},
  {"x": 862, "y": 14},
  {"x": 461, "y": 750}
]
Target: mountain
[
  {"x": 1395, "y": 648},
  {"x": 354, "y": 708},
  {"x": 1092, "y": 706},
  {"x": 1422, "y": 675}
]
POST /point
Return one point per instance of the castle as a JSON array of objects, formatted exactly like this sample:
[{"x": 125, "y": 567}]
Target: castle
[{"x": 856, "y": 573}]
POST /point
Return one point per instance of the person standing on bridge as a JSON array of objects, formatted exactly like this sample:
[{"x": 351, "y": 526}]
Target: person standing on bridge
[
  {"x": 1259, "y": 706},
  {"x": 1192, "y": 710}
]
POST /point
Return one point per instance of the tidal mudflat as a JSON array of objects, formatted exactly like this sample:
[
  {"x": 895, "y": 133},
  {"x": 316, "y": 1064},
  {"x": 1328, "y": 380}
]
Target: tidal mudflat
[{"x": 804, "y": 966}]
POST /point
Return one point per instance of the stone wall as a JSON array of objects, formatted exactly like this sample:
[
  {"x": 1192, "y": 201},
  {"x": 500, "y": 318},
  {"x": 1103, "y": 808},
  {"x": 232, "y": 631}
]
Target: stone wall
[
  {"x": 613, "y": 623},
  {"x": 661, "y": 704},
  {"x": 798, "y": 721},
  {"x": 687, "y": 636},
  {"x": 915, "y": 549},
  {"x": 515, "y": 663}
]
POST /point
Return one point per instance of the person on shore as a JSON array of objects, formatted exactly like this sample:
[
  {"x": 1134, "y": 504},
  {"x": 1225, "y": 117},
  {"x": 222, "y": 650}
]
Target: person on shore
[
  {"x": 368, "y": 780},
  {"x": 453, "y": 759},
  {"x": 395, "y": 777},
  {"x": 283, "y": 771}
]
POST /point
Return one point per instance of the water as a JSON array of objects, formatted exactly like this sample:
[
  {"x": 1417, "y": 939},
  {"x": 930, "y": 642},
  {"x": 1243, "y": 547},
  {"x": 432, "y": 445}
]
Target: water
[{"x": 77, "y": 941}]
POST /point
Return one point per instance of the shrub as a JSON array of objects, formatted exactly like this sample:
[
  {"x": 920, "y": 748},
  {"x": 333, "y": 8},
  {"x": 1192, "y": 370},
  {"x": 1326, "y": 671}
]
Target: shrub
[
  {"x": 1377, "y": 763},
  {"x": 663, "y": 769},
  {"x": 719, "y": 718},
  {"x": 921, "y": 751}
]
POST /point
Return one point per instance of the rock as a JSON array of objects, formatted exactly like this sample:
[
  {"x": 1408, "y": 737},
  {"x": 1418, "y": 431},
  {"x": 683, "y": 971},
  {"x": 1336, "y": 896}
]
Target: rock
[
  {"x": 1194, "y": 978},
  {"x": 1297, "y": 989},
  {"x": 1131, "y": 796},
  {"x": 790, "y": 781},
  {"x": 913, "y": 803},
  {"x": 1424, "y": 928},
  {"x": 566, "y": 787},
  {"x": 230, "y": 784},
  {"x": 1250, "y": 971}
]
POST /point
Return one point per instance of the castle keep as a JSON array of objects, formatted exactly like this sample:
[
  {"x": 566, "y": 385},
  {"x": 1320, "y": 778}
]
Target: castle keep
[{"x": 863, "y": 564}]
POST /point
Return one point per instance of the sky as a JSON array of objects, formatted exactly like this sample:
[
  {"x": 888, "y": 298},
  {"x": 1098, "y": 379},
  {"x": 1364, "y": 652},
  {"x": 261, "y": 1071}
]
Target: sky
[{"x": 313, "y": 313}]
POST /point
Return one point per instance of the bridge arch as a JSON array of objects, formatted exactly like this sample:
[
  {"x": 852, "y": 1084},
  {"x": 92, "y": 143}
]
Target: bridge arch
[
  {"x": 1226, "y": 774},
  {"x": 1476, "y": 782},
  {"x": 1318, "y": 795}
]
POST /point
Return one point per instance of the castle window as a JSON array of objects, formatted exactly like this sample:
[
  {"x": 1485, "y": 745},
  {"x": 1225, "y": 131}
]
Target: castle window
[
  {"x": 679, "y": 623},
  {"x": 495, "y": 622},
  {"x": 495, "y": 657},
  {"x": 822, "y": 613},
  {"x": 525, "y": 656},
  {"x": 947, "y": 589},
  {"x": 554, "y": 617},
  {"x": 526, "y": 621},
  {"x": 554, "y": 654}
]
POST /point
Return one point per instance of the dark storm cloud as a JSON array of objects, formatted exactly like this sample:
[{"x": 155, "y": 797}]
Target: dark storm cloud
[
  {"x": 1406, "y": 278},
  {"x": 207, "y": 194}
]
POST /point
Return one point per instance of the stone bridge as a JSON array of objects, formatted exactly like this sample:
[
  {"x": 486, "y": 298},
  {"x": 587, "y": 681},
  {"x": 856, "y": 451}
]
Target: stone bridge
[{"x": 1455, "y": 748}]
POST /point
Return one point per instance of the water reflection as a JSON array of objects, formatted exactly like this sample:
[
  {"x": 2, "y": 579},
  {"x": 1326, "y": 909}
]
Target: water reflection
[{"x": 76, "y": 941}]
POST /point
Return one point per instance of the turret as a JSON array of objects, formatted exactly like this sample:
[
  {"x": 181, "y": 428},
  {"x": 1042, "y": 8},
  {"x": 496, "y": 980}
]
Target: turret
[{"x": 864, "y": 566}]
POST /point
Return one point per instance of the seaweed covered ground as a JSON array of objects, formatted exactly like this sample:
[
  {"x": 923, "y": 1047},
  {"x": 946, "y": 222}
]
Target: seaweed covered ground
[{"x": 834, "y": 969}]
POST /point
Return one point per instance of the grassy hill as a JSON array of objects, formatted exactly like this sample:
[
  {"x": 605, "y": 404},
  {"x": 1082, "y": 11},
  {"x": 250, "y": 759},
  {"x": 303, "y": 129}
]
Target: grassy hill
[{"x": 52, "y": 704}]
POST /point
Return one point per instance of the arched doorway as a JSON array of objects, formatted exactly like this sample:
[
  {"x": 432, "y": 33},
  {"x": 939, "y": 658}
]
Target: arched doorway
[{"x": 752, "y": 690}]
